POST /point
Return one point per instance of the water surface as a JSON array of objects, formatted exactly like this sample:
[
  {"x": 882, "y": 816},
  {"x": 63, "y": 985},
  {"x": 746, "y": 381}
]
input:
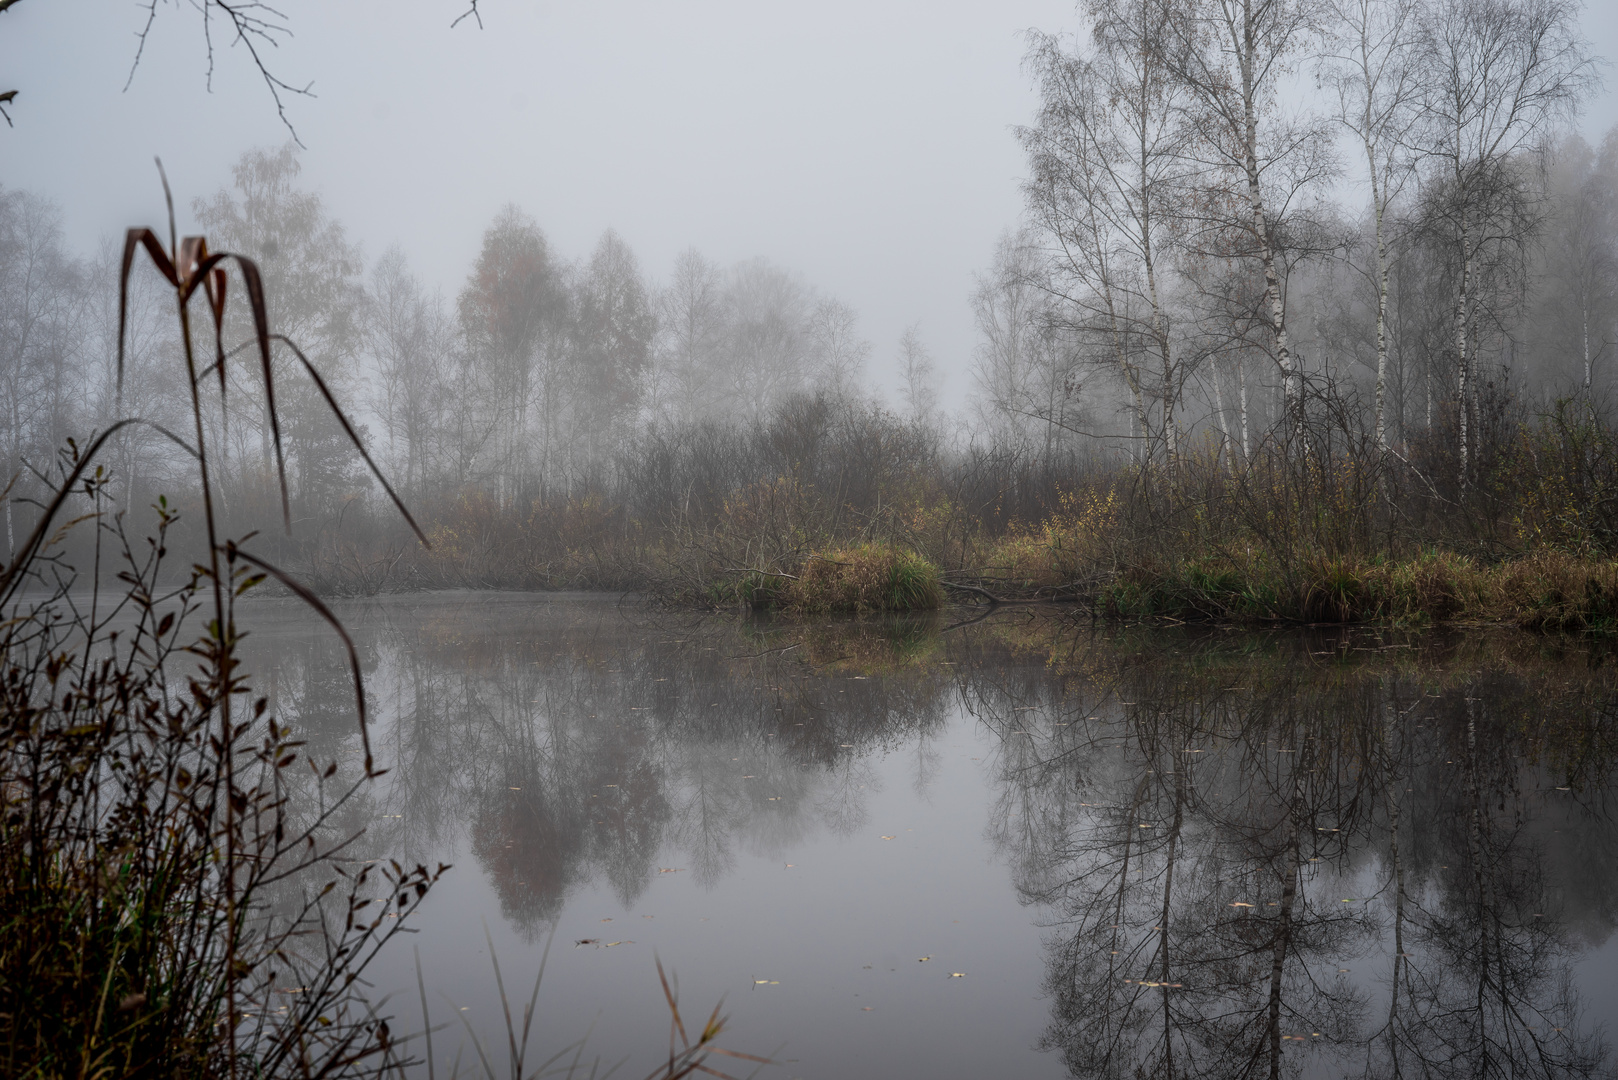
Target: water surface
[{"x": 1021, "y": 847}]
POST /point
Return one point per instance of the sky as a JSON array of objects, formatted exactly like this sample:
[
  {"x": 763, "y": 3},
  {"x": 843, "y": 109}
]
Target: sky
[{"x": 868, "y": 146}]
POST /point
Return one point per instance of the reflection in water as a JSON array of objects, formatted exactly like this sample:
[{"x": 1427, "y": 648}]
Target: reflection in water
[
  {"x": 1314, "y": 853},
  {"x": 582, "y": 748},
  {"x": 1255, "y": 855}
]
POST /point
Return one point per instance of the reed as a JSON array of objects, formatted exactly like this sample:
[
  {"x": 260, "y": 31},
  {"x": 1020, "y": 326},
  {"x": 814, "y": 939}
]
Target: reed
[{"x": 179, "y": 896}]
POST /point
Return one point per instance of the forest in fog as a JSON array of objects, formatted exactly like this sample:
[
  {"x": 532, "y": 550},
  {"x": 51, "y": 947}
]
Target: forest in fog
[{"x": 1388, "y": 282}]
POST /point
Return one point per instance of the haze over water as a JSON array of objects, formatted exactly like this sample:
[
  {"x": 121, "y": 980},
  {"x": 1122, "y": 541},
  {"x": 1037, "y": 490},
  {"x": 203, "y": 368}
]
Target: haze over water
[{"x": 1019, "y": 847}]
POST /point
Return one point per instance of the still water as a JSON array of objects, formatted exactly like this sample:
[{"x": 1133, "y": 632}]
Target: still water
[{"x": 1021, "y": 847}]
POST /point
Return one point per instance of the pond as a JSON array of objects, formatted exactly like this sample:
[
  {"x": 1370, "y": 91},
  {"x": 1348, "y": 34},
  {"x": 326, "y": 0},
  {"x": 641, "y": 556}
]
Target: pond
[{"x": 1021, "y": 847}]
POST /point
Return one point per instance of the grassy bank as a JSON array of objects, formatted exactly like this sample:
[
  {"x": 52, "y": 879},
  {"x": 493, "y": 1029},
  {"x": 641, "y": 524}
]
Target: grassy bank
[
  {"x": 830, "y": 504},
  {"x": 864, "y": 578}
]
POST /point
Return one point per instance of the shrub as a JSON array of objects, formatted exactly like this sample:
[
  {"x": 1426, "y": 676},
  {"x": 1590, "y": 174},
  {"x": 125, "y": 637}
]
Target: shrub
[{"x": 869, "y": 577}]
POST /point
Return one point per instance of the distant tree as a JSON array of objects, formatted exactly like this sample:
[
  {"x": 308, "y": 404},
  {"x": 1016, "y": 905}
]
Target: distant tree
[
  {"x": 514, "y": 313},
  {"x": 1578, "y": 254},
  {"x": 312, "y": 277},
  {"x": 837, "y": 352},
  {"x": 918, "y": 376},
  {"x": 41, "y": 307},
  {"x": 768, "y": 348},
  {"x": 1026, "y": 380},
  {"x": 614, "y": 326},
  {"x": 412, "y": 342},
  {"x": 693, "y": 324}
]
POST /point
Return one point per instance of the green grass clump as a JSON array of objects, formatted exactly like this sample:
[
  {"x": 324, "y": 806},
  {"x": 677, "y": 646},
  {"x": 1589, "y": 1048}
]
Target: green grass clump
[{"x": 869, "y": 577}]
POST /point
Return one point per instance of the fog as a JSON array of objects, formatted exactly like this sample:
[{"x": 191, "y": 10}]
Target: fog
[
  {"x": 867, "y": 146},
  {"x": 547, "y": 252}
]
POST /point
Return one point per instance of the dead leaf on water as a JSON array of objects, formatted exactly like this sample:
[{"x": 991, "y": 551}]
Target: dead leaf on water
[
  {"x": 587, "y": 941},
  {"x": 957, "y": 974},
  {"x": 671, "y": 869},
  {"x": 923, "y": 960},
  {"x": 1240, "y": 904},
  {"x": 887, "y": 838},
  {"x": 610, "y": 944}
]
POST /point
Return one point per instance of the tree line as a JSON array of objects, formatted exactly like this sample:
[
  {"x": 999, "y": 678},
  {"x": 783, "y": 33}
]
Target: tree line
[
  {"x": 1316, "y": 262},
  {"x": 522, "y": 385},
  {"x": 1239, "y": 214}
]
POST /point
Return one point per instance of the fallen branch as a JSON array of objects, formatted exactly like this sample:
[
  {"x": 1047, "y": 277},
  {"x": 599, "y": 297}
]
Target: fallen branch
[
  {"x": 994, "y": 601},
  {"x": 750, "y": 570}
]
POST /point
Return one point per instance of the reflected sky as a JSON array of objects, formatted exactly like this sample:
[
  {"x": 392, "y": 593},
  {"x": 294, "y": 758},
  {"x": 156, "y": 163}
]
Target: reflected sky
[{"x": 1017, "y": 847}]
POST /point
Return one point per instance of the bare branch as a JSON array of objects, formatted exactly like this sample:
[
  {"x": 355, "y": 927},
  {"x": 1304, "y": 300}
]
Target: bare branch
[{"x": 256, "y": 26}]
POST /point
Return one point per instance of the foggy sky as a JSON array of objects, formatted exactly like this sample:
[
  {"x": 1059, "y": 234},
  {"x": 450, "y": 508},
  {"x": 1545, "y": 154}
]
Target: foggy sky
[{"x": 867, "y": 146}]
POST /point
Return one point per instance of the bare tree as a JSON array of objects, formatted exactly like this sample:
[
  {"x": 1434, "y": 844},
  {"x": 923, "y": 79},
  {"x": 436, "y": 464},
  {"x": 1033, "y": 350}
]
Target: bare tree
[
  {"x": 837, "y": 352},
  {"x": 768, "y": 347},
  {"x": 1109, "y": 157},
  {"x": 613, "y": 327},
  {"x": 1369, "y": 66},
  {"x": 411, "y": 339},
  {"x": 918, "y": 376},
  {"x": 692, "y": 327},
  {"x": 1577, "y": 260},
  {"x": 1498, "y": 75},
  {"x": 313, "y": 273},
  {"x": 41, "y": 294},
  {"x": 1256, "y": 157},
  {"x": 1026, "y": 377}
]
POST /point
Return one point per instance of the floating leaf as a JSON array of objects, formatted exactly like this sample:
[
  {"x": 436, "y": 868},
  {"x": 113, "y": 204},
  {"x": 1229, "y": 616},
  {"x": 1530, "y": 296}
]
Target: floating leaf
[
  {"x": 1239, "y": 903},
  {"x": 587, "y": 941},
  {"x": 957, "y": 974}
]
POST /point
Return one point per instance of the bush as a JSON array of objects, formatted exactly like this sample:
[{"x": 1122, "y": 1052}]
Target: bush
[{"x": 869, "y": 577}]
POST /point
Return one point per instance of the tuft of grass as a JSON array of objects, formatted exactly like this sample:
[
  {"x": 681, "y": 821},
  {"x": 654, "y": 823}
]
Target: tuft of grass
[{"x": 867, "y": 577}]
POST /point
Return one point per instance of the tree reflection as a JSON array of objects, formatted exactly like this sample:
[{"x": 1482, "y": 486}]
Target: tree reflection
[
  {"x": 1203, "y": 830},
  {"x": 1256, "y": 856},
  {"x": 581, "y": 750}
]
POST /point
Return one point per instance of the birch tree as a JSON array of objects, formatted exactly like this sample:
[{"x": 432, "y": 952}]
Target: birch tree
[
  {"x": 1498, "y": 74},
  {"x": 1108, "y": 157},
  {"x": 1257, "y": 158},
  {"x": 1369, "y": 66}
]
